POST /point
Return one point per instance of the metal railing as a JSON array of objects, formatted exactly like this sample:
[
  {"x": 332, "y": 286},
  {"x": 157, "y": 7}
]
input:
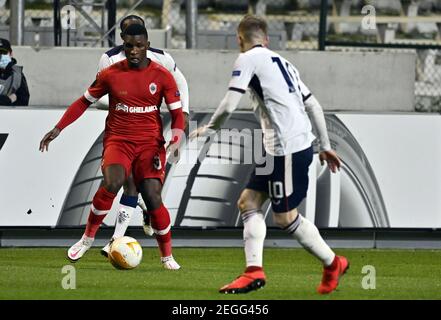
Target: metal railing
[{"x": 362, "y": 25}]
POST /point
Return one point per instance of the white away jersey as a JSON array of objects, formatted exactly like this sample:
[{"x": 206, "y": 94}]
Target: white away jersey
[
  {"x": 279, "y": 94},
  {"x": 117, "y": 54}
]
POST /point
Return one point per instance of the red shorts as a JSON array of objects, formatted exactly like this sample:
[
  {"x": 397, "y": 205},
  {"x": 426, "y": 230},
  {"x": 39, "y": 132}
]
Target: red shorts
[{"x": 143, "y": 160}]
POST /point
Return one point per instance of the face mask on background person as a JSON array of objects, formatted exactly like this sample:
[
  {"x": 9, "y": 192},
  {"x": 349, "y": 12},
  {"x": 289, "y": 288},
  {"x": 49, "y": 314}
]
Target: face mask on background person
[{"x": 5, "y": 60}]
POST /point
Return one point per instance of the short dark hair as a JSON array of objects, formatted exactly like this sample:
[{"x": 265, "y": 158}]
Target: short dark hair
[
  {"x": 136, "y": 30},
  {"x": 251, "y": 25},
  {"x": 129, "y": 17},
  {"x": 5, "y": 46}
]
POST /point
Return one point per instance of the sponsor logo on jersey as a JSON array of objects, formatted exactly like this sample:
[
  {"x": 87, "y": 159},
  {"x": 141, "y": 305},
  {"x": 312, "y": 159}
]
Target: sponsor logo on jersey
[
  {"x": 121, "y": 107},
  {"x": 153, "y": 87},
  {"x": 236, "y": 73},
  {"x": 124, "y": 108}
]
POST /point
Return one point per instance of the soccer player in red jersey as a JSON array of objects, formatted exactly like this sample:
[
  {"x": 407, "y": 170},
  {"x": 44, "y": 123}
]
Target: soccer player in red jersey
[
  {"x": 130, "y": 199},
  {"x": 133, "y": 140}
]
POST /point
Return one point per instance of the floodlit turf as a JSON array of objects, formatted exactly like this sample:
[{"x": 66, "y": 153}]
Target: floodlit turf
[{"x": 292, "y": 274}]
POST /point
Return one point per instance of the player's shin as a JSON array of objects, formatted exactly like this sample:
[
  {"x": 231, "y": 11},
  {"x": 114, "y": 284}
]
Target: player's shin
[
  {"x": 254, "y": 232},
  {"x": 309, "y": 237},
  {"x": 101, "y": 204},
  {"x": 125, "y": 212},
  {"x": 160, "y": 220}
]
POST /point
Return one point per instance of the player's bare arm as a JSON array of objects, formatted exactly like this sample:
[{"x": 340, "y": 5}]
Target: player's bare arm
[{"x": 48, "y": 137}]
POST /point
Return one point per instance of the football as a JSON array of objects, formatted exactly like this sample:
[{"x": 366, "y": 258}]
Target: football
[{"x": 125, "y": 253}]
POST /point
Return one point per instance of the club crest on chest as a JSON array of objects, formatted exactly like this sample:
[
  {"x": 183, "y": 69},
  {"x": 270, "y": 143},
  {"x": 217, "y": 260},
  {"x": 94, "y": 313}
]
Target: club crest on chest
[{"x": 153, "y": 87}]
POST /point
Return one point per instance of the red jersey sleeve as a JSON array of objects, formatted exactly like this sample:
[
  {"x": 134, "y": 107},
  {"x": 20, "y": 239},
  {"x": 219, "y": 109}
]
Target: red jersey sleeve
[
  {"x": 98, "y": 88},
  {"x": 173, "y": 101},
  {"x": 171, "y": 93}
]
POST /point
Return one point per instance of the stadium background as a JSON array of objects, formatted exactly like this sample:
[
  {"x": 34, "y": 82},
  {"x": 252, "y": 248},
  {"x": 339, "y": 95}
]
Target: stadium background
[{"x": 386, "y": 78}]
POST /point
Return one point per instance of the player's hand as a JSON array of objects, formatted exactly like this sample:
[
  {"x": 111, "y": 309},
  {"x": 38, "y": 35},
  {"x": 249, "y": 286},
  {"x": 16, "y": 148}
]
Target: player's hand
[
  {"x": 331, "y": 157},
  {"x": 48, "y": 137},
  {"x": 172, "y": 153},
  {"x": 203, "y": 131}
]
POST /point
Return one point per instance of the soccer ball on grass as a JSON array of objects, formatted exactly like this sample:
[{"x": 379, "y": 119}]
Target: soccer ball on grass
[{"x": 125, "y": 253}]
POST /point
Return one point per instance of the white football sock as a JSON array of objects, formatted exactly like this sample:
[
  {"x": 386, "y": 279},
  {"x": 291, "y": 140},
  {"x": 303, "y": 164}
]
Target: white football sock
[
  {"x": 254, "y": 232},
  {"x": 122, "y": 220},
  {"x": 141, "y": 203},
  {"x": 309, "y": 237}
]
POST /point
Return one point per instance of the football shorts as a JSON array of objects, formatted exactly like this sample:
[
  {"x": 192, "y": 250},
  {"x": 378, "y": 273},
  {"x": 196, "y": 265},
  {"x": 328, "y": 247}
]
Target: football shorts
[{"x": 287, "y": 184}]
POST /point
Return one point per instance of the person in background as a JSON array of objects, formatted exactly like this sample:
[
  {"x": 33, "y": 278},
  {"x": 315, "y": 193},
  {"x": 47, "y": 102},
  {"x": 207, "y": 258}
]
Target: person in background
[{"x": 13, "y": 86}]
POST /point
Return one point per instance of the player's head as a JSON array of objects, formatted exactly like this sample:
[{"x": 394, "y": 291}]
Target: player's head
[
  {"x": 127, "y": 21},
  {"x": 136, "y": 43},
  {"x": 252, "y": 30}
]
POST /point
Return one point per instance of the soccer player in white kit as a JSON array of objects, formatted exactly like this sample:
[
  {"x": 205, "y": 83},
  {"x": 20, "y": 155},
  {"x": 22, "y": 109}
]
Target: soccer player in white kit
[
  {"x": 283, "y": 103},
  {"x": 129, "y": 199}
]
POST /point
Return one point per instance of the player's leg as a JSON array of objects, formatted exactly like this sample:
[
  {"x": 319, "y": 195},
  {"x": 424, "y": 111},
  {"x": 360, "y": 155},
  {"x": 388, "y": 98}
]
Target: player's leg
[
  {"x": 114, "y": 177},
  {"x": 309, "y": 237},
  {"x": 127, "y": 205},
  {"x": 288, "y": 189},
  {"x": 131, "y": 198},
  {"x": 146, "y": 223},
  {"x": 160, "y": 220},
  {"x": 149, "y": 174},
  {"x": 254, "y": 232}
]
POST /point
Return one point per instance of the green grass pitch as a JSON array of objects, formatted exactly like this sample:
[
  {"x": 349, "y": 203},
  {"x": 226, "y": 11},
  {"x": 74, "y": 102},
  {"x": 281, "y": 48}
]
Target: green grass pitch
[{"x": 27, "y": 273}]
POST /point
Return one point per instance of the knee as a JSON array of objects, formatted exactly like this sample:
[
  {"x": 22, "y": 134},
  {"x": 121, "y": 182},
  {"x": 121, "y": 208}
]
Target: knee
[
  {"x": 282, "y": 220},
  {"x": 152, "y": 199},
  {"x": 114, "y": 185},
  {"x": 245, "y": 204}
]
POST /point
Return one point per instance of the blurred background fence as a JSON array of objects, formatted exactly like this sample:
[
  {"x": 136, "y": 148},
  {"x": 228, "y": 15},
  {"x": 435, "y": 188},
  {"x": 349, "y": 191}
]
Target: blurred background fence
[{"x": 337, "y": 25}]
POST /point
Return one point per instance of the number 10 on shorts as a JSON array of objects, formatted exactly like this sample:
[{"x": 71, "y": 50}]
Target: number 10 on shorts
[{"x": 275, "y": 189}]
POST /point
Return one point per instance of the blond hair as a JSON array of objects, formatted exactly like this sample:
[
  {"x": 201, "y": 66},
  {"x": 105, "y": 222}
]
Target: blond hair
[{"x": 252, "y": 27}]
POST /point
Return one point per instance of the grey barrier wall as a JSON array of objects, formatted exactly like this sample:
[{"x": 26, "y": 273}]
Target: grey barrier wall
[{"x": 372, "y": 82}]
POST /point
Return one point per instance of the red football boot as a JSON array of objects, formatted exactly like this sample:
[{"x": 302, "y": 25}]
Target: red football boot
[
  {"x": 332, "y": 274},
  {"x": 252, "y": 279}
]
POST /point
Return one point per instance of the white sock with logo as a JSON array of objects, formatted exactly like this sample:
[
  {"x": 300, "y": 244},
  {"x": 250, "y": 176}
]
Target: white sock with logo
[
  {"x": 254, "y": 232},
  {"x": 309, "y": 237},
  {"x": 122, "y": 220}
]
